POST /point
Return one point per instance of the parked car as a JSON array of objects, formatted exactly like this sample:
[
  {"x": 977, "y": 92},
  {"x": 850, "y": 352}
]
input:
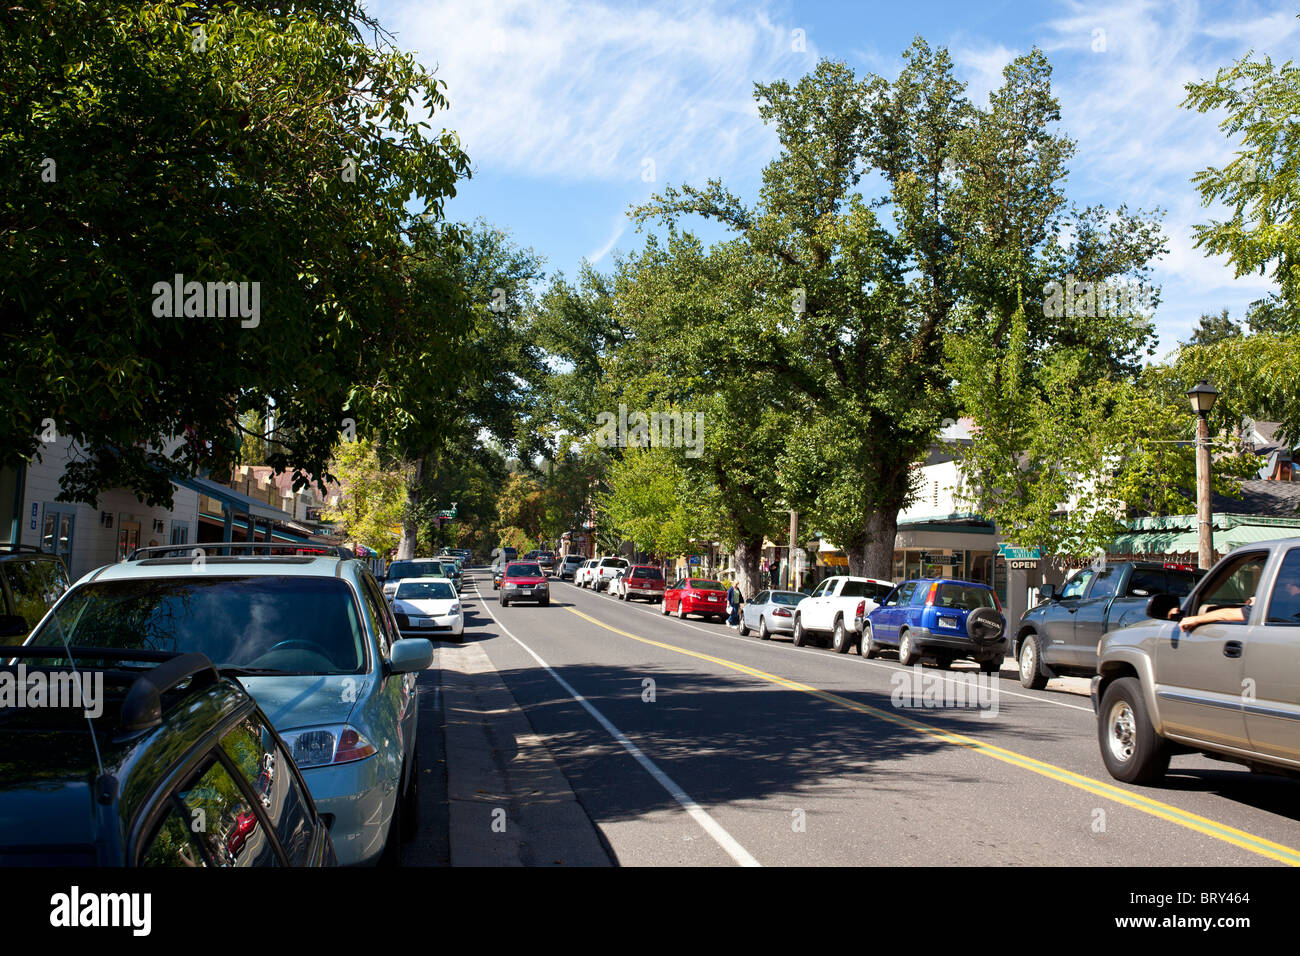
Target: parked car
[
  {"x": 524, "y": 581},
  {"x": 31, "y": 581},
  {"x": 176, "y": 740},
  {"x": 545, "y": 560},
  {"x": 941, "y": 618},
  {"x": 411, "y": 568},
  {"x": 639, "y": 580},
  {"x": 569, "y": 567},
  {"x": 1058, "y": 637},
  {"x": 583, "y": 577},
  {"x": 606, "y": 570},
  {"x": 1228, "y": 687},
  {"x": 311, "y": 638},
  {"x": 835, "y": 608},
  {"x": 769, "y": 612},
  {"x": 428, "y": 605},
  {"x": 695, "y": 596}
]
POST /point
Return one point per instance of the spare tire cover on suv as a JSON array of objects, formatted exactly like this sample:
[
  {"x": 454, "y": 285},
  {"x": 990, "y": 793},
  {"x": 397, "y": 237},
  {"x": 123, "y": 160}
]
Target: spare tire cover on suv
[{"x": 984, "y": 624}]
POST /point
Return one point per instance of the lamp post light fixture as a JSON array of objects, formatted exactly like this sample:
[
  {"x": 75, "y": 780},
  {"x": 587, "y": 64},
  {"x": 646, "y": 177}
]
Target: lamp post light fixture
[{"x": 1202, "y": 396}]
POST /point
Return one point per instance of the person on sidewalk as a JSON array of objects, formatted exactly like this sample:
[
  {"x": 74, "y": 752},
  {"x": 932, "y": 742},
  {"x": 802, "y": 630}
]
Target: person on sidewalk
[{"x": 734, "y": 600}]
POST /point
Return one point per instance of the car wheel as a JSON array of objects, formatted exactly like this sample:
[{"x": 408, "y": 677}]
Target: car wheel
[
  {"x": 907, "y": 655},
  {"x": 545, "y": 602},
  {"x": 681, "y": 612},
  {"x": 800, "y": 636},
  {"x": 840, "y": 637},
  {"x": 867, "y": 647},
  {"x": 1131, "y": 749},
  {"x": 663, "y": 608},
  {"x": 504, "y": 602},
  {"x": 1031, "y": 674},
  {"x": 763, "y": 634},
  {"x": 742, "y": 628}
]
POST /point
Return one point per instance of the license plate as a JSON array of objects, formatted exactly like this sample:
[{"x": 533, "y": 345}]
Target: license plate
[
  {"x": 423, "y": 622},
  {"x": 948, "y": 622},
  {"x": 526, "y": 590}
]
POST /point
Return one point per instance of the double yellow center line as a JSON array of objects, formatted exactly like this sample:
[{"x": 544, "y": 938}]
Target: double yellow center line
[{"x": 1184, "y": 818}]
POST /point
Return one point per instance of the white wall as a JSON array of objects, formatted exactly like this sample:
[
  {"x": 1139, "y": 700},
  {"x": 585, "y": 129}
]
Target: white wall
[{"x": 94, "y": 545}]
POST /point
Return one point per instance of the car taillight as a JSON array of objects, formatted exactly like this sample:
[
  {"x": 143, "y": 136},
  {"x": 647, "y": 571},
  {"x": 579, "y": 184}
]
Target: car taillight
[
  {"x": 862, "y": 608},
  {"x": 929, "y": 599},
  {"x": 780, "y": 612}
]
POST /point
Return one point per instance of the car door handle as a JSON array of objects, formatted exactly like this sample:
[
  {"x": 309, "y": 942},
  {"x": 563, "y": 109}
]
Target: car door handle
[{"x": 1232, "y": 649}]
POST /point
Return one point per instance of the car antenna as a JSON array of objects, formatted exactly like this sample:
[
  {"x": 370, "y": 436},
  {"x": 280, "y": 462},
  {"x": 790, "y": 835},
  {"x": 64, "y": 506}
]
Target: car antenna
[{"x": 94, "y": 743}]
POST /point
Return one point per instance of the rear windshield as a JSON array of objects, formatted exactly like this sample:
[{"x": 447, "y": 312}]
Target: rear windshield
[
  {"x": 613, "y": 563},
  {"x": 414, "y": 569},
  {"x": 963, "y": 596},
  {"x": 653, "y": 574},
  {"x": 865, "y": 589},
  {"x": 293, "y": 625},
  {"x": 424, "y": 590},
  {"x": 574, "y": 559},
  {"x": 789, "y": 598},
  {"x": 523, "y": 571}
]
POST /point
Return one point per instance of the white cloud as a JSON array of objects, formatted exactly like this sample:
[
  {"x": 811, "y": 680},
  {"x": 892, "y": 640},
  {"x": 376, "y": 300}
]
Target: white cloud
[
  {"x": 620, "y": 227},
  {"x": 579, "y": 89}
]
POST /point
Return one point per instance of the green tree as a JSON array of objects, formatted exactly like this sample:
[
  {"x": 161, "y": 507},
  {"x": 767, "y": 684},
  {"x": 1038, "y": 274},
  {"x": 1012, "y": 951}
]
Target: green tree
[
  {"x": 275, "y": 145},
  {"x": 1214, "y": 328},
  {"x": 372, "y": 495}
]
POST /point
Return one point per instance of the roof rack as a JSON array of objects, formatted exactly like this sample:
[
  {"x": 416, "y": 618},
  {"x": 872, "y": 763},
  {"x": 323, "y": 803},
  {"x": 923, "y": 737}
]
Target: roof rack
[
  {"x": 142, "y": 706},
  {"x": 215, "y": 548}
]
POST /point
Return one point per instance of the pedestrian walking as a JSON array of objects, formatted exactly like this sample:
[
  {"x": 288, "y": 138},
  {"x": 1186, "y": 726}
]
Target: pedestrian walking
[{"x": 734, "y": 600}]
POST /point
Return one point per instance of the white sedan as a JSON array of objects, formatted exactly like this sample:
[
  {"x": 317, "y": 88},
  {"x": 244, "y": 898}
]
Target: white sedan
[{"x": 425, "y": 606}]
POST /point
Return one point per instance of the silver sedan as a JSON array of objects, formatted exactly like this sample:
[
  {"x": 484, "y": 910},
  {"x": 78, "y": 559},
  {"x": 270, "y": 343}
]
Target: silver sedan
[{"x": 770, "y": 612}]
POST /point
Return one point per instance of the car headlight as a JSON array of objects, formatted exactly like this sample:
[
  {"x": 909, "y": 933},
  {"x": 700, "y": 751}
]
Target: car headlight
[
  {"x": 510, "y": 584},
  {"x": 455, "y": 610},
  {"x": 324, "y": 746}
]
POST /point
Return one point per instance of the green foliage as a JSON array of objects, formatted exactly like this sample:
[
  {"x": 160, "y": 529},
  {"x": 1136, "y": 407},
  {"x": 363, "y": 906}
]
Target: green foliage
[{"x": 372, "y": 497}]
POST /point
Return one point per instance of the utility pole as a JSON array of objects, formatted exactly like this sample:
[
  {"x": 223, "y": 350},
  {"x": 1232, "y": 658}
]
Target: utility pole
[
  {"x": 1202, "y": 397},
  {"x": 792, "y": 575}
]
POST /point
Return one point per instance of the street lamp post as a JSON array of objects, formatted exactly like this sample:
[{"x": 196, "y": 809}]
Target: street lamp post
[{"x": 1202, "y": 396}]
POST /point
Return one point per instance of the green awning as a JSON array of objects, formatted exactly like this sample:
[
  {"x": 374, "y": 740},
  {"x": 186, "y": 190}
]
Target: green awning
[{"x": 1188, "y": 542}]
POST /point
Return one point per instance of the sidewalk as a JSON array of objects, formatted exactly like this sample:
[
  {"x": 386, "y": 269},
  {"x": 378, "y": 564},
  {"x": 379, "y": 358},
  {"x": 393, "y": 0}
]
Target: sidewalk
[{"x": 509, "y": 803}]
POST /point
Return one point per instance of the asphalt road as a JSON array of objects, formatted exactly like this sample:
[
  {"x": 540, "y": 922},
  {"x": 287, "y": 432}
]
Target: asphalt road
[{"x": 686, "y": 744}]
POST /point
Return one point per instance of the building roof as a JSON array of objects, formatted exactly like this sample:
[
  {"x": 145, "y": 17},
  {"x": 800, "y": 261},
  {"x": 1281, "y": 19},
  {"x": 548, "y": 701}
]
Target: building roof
[{"x": 1262, "y": 497}]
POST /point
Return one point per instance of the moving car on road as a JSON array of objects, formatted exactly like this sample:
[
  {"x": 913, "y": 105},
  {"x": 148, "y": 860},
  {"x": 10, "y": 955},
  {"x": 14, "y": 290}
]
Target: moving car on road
[
  {"x": 941, "y": 618},
  {"x": 524, "y": 581},
  {"x": 770, "y": 612},
  {"x": 310, "y": 638},
  {"x": 1058, "y": 637},
  {"x": 835, "y": 609},
  {"x": 425, "y": 606},
  {"x": 1217, "y": 671},
  {"x": 176, "y": 742},
  {"x": 640, "y": 580},
  {"x": 695, "y": 596}
]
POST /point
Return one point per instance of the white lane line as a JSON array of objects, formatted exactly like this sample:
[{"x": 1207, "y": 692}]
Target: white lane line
[
  {"x": 701, "y": 816},
  {"x": 807, "y": 650}
]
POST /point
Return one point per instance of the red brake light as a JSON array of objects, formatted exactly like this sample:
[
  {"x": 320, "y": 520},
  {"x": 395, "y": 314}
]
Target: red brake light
[
  {"x": 862, "y": 608},
  {"x": 929, "y": 599}
]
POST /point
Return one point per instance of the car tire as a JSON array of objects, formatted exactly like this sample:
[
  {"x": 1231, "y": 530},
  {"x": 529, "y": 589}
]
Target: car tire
[
  {"x": 868, "y": 647},
  {"x": 1030, "y": 664},
  {"x": 840, "y": 641},
  {"x": 742, "y": 628},
  {"x": 545, "y": 602},
  {"x": 681, "y": 612},
  {"x": 663, "y": 608},
  {"x": 763, "y": 633},
  {"x": 504, "y": 602},
  {"x": 800, "y": 637},
  {"x": 907, "y": 655},
  {"x": 1130, "y": 748}
]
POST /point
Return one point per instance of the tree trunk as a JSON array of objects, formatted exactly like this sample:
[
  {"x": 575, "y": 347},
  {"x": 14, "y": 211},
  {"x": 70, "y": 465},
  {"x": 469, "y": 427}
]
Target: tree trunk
[
  {"x": 871, "y": 555},
  {"x": 746, "y": 557},
  {"x": 410, "y": 528}
]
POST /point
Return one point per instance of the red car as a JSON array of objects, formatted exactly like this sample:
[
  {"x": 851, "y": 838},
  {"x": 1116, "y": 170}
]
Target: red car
[
  {"x": 696, "y": 596},
  {"x": 524, "y": 581},
  {"x": 640, "y": 580}
]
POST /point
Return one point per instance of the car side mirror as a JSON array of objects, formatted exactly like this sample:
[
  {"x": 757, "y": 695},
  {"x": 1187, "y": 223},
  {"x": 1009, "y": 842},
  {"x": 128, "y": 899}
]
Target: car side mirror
[
  {"x": 1160, "y": 605},
  {"x": 13, "y": 625},
  {"x": 410, "y": 654},
  {"x": 1047, "y": 592}
]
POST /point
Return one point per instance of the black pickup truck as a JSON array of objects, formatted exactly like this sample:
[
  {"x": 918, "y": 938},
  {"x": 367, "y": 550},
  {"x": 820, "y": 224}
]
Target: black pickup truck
[{"x": 1059, "y": 636}]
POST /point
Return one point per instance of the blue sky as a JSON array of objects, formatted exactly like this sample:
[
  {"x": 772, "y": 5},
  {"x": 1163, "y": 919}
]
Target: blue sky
[{"x": 571, "y": 110}]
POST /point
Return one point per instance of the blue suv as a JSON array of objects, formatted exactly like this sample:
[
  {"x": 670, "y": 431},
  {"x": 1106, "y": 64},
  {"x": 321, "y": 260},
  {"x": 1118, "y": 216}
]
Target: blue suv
[{"x": 941, "y": 618}]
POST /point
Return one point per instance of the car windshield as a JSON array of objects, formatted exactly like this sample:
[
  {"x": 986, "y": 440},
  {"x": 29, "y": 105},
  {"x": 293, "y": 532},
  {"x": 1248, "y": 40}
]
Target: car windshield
[
  {"x": 702, "y": 585},
  {"x": 789, "y": 598},
  {"x": 413, "y": 569},
  {"x": 425, "y": 591},
  {"x": 523, "y": 571},
  {"x": 964, "y": 597},
  {"x": 289, "y": 624}
]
